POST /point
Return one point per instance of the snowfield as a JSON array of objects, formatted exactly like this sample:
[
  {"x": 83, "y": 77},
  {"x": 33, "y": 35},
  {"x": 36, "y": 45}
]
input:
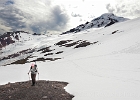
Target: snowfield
[{"x": 106, "y": 70}]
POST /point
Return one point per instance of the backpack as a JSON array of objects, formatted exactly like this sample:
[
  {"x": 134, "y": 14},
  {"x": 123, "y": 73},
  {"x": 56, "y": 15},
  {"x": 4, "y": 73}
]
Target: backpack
[{"x": 34, "y": 70}]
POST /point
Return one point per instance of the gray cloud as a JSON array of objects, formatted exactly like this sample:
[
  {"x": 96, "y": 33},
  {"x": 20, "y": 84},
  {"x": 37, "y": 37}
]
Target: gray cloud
[
  {"x": 59, "y": 19},
  {"x": 11, "y": 18},
  {"x": 16, "y": 19},
  {"x": 109, "y": 8},
  {"x": 9, "y": 2},
  {"x": 56, "y": 22},
  {"x": 124, "y": 8}
]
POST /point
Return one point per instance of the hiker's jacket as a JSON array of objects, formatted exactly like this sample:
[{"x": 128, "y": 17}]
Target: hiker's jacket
[{"x": 33, "y": 70}]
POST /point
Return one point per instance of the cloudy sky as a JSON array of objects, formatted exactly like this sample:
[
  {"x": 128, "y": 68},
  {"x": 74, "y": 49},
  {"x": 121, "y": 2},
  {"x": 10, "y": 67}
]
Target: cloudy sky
[{"x": 56, "y": 16}]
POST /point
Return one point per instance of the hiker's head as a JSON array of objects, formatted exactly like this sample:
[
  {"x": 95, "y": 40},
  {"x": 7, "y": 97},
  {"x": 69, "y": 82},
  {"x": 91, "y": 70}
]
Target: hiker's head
[{"x": 32, "y": 64}]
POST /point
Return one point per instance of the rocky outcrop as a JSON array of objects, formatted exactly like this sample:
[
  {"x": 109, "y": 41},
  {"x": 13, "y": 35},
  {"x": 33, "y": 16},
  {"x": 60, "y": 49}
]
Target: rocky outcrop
[
  {"x": 43, "y": 90},
  {"x": 9, "y": 38}
]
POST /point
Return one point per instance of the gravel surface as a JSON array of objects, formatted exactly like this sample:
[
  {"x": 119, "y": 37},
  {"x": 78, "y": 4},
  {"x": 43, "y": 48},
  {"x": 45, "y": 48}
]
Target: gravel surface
[{"x": 43, "y": 90}]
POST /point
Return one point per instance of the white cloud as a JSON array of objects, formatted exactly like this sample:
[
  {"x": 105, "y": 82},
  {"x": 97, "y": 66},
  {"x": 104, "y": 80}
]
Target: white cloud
[{"x": 126, "y": 8}]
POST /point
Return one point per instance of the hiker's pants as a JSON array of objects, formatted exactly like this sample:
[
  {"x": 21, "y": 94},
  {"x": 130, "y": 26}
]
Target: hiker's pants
[{"x": 33, "y": 76}]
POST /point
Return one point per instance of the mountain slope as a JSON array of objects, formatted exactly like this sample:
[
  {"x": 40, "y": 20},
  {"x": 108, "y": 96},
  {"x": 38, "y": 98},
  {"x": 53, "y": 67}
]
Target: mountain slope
[
  {"x": 11, "y": 37},
  {"x": 104, "y": 20},
  {"x": 98, "y": 64}
]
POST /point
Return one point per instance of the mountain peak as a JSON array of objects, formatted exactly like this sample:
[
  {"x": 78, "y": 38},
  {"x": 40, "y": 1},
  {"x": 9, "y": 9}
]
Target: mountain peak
[
  {"x": 108, "y": 14},
  {"x": 104, "y": 20}
]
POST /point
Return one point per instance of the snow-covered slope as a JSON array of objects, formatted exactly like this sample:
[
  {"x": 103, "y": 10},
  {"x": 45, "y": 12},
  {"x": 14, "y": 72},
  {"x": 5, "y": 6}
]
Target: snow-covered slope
[
  {"x": 17, "y": 45},
  {"x": 98, "y": 64},
  {"x": 104, "y": 20}
]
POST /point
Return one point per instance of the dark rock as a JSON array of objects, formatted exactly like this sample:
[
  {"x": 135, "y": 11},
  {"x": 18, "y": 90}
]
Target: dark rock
[{"x": 62, "y": 42}]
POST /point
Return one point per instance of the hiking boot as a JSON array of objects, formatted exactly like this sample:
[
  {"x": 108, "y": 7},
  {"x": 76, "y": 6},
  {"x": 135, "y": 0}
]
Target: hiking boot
[{"x": 33, "y": 85}]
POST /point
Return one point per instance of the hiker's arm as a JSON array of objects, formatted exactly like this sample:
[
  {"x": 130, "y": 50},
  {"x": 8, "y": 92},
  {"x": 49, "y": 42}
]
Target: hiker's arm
[
  {"x": 37, "y": 70},
  {"x": 29, "y": 71}
]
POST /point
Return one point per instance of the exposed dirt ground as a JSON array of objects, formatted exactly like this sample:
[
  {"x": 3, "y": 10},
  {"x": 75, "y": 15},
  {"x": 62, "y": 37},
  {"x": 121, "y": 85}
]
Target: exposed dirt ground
[{"x": 43, "y": 90}]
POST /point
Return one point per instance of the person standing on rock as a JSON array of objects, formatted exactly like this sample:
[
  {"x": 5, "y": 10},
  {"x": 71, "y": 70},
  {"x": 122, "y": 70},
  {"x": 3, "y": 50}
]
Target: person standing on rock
[{"x": 34, "y": 71}]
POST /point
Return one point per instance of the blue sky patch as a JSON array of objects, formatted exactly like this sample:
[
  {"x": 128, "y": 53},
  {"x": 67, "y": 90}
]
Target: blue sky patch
[{"x": 9, "y": 2}]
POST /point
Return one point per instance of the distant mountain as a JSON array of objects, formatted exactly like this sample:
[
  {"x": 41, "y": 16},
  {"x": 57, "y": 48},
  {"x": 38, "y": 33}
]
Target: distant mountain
[
  {"x": 104, "y": 20},
  {"x": 11, "y": 37}
]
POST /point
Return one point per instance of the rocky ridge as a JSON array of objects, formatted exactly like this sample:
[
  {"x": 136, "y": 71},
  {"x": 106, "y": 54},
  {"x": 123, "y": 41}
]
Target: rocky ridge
[{"x": 104, "y": 20}]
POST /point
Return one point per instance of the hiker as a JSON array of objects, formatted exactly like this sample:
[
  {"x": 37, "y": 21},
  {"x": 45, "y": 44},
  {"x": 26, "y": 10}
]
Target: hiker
[{"x": 33, "y": 71}]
